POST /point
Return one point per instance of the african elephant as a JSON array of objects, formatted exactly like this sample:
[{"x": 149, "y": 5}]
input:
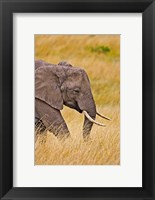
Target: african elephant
[{"x": 58, "y": 85}]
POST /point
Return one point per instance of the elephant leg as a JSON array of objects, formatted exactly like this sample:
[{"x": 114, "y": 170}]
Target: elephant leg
[
  {"x": 38, "y": 123},
  {"x": 52, "y": 119}
]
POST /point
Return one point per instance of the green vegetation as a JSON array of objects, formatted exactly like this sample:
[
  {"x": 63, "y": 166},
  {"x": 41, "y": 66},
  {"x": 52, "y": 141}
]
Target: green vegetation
[{"x": 99, "y": 49}]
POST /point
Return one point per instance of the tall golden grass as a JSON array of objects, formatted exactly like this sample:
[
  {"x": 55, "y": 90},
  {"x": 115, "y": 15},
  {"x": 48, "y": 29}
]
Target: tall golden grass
[{"x": 103, "y": 69}]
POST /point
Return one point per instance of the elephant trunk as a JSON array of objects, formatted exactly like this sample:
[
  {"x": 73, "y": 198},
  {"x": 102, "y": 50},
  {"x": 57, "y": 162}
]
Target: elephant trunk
[
  {"x": 89, "y": 110},
  {"x": 87, "y": 126}
]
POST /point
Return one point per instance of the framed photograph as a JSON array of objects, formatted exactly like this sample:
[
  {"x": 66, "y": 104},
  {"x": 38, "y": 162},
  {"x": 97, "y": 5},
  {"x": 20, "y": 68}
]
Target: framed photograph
[{"x": 77, "y": 99}]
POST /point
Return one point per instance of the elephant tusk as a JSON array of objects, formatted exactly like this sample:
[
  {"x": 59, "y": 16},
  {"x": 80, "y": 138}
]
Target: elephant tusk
[
  {"x": 92, "y": 120},
  {"x": 103, "y": 116}
]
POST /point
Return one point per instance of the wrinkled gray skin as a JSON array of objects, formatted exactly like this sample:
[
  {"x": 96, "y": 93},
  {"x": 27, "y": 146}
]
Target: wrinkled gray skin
[{"x": 60, "y": 84}]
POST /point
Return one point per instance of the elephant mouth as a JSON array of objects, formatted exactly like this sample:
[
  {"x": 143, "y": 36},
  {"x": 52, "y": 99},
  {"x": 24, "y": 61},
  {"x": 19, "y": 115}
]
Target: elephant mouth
[
  {"x": 73, "y": 105},
  {"x": 79, "y": 110}
]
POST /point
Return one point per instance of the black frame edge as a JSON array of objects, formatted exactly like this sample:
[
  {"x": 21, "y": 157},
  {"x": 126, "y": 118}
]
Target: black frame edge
[
  {"x": 153, "y": 99},
  {"x": 148, "y": 98},
  {"x": 87, "y": 6},
  {"x": 1, "y": 182},
  {"x": 6, "y": 101}
]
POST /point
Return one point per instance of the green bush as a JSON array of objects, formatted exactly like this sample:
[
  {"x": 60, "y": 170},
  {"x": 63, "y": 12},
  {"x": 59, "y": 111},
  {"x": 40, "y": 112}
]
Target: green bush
[{"x": 99, "y": 49}]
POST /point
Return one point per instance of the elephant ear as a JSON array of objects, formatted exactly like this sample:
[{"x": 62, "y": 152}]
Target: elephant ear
[{"x": 47, "y": 87}]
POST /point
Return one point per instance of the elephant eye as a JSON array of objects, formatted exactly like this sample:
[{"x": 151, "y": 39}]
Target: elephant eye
[{"x": 76, "y": 91}]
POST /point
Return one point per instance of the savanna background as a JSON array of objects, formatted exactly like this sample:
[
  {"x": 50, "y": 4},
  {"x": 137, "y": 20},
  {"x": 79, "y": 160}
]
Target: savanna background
[{"x": 99, "y": 55}]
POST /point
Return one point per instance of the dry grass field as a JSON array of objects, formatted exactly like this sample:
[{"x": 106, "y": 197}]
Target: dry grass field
[{"x": 99, "y": 55}]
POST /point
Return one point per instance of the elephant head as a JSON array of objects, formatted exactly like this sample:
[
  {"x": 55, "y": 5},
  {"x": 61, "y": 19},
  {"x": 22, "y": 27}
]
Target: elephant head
[{"x": 63, "y": 84}]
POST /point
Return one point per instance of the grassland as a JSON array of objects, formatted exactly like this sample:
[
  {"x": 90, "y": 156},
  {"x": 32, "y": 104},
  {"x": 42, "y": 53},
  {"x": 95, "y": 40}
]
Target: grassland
[{"x": 99, "y": 55}]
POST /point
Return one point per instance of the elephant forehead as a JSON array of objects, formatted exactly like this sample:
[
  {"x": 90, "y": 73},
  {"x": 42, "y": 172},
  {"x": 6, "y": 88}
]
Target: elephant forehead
[
  {"x": 74, "y": 80},
  {"x": 75, "y": 72},
  {"x": 78, "y": 82}
]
